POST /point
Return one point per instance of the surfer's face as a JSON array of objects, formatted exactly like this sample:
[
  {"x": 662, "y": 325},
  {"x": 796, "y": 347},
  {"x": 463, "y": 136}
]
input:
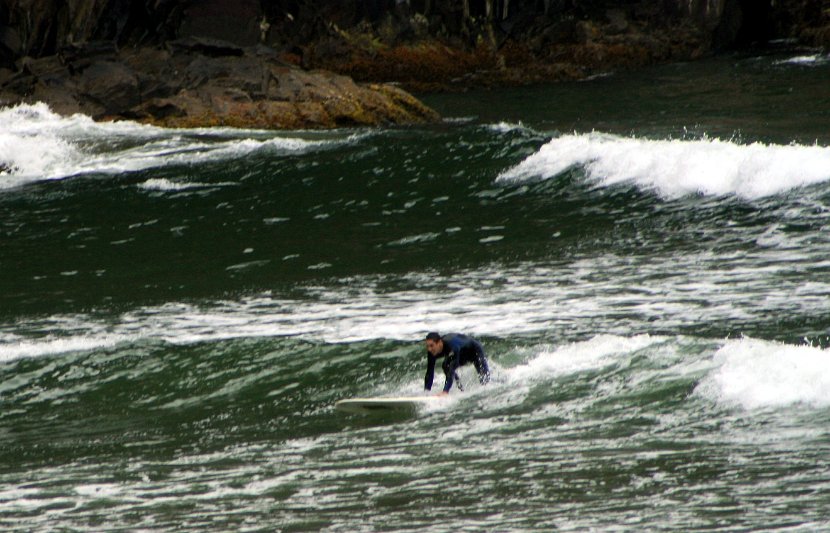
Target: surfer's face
[{"x": 435, "y": 347}]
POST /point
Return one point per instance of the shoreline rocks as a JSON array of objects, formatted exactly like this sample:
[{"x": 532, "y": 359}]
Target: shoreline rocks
[
  {"x": 204, "y": 82},
  {"x": 562, "y": 51}
]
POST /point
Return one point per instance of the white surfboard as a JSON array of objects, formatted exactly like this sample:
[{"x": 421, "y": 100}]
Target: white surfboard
[{"x": 399, "y": 404}]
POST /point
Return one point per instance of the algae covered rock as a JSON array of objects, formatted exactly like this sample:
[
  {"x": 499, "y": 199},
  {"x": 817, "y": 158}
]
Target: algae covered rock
[{"x": 207, "y": 83}]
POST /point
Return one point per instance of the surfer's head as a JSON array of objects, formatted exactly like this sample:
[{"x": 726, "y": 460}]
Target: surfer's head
[{"x": 434, "y": 343}]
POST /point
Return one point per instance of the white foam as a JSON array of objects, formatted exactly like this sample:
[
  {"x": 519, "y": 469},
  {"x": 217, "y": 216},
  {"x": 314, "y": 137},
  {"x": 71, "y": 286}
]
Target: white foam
[
  {"x": 675, "y": 168},
  {"x": 810, "y": 60},
  {"x": 37, "y": 144},
  {"x": 415, "y": 239},
  {"x": 19, "y": 347},
  {"x": 507, "y": 127},
  {"x": 166, "y": 185},
  {"x": 24, "y": 153},
  {"x": 178, "y": 150},
  {"x": 163, "y": 184},
  {"x": 755, "y": 374},
  {"x": 15, "y": 494},
  {"x": 601, "y": 351}
]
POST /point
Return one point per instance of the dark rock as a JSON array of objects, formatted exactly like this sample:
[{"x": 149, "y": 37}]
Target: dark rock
[
  {"x": 63, "y": 98},
  {"x": 729, "y": 25},
  {"x": 587, "y": 32},
  {"x": 160, "y": 109},
  {"x": 112, "y": 85},
  {"x": 46, "y": 69},
  {"x": 818, "y": 36},
  {"x": 157, "y": 76},
  {"x": 235, "y": 21},
  {"x": 151, "y": 85},
  {"x": 5, "y": 75},
  {"x": 10, "y": 46},
  {"x": 617, "y": 20},
  {"x": 245, "y": 73},
  {"x": 206, "y": 46},
  {"x": 180, "y": 86},
  {"x": 294, "y": 99},
  {"x": 222, "y": 27},
  {"x": 21, "y": 84},
  {"x": 77, "y": 57}
]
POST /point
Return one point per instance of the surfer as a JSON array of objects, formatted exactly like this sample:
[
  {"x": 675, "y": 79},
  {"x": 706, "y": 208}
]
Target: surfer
[{"x": 457, "y": 350}]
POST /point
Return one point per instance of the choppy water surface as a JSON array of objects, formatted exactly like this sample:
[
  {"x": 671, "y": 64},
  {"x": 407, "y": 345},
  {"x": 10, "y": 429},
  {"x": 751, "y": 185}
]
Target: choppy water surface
[{"x": 644, "y": 256}]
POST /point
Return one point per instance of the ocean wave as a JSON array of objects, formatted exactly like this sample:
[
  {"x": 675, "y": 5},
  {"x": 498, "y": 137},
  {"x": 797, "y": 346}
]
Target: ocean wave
[
  {"x": 746, "y": 373},
  {"x": 22, "y": 348},
  {"x": 809, "y": 60},
  {"x": 676, "y": 168},
  {"x": 756, "y": 374},
  {"x": 598, "y": 352},
  {"x": 611, "y": 294},
  {"x": 166, "y": 185},
  {"x": 37, "y": 144},
  {"x": 507, "y": 127}
]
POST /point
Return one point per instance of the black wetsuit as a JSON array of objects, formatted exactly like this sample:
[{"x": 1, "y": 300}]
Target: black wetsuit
[{"x": 458, "y": 350}]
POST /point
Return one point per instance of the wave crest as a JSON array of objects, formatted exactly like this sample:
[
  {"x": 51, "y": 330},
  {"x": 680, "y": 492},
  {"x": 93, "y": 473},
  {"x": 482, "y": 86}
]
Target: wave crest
[
  {"x": 676, "y": 168},
  {"x": 756, "y": 374},
  {"x": 37, "y": 144}
]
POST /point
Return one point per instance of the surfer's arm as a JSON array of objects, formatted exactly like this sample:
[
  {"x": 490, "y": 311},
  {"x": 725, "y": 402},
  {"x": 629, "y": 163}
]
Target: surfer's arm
[
  {"x": 430, "y": 372},
  {"x": 450, "y": 365},
  {"x": 479, "y": 349}
]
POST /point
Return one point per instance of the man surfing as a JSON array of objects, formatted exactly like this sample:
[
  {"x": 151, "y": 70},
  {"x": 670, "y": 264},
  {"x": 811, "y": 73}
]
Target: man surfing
[{"x": 457, "y": 350}]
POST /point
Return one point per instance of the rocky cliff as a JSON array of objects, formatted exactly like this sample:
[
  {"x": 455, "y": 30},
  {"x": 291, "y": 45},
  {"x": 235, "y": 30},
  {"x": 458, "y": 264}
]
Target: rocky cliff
[
  {"x": 251, "y": 62},
  {"x": 429, "y": 43}
]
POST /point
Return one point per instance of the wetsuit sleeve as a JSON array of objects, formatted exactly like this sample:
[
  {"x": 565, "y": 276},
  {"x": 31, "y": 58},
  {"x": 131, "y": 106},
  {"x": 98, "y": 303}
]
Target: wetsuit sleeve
[
  {"x": 430, "y": 372},
  {"x": 450, "y": 365},
  {"x": 479, "y": 349}
]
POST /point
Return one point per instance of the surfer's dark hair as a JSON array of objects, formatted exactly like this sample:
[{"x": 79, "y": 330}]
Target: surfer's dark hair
[{"x": 433, "y": 336}]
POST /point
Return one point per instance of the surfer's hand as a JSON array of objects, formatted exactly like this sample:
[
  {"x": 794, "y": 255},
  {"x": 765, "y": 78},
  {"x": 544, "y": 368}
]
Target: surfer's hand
[{"x": 442, "y": 393}]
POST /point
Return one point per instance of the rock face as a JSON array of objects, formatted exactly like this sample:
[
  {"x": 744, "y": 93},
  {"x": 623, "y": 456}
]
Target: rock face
[
  {"x": 498, "y": 42},
  {"x": 200, "y": 82},
  {"x": 42, "y": 27},
  {"x": 164, "y": 62}
]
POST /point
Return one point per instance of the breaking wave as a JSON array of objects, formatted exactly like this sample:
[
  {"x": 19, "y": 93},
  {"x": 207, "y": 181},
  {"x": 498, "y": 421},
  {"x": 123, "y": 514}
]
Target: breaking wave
[
  {"x": 37, "y": 144},
  {"x": 676, "y": 168}
]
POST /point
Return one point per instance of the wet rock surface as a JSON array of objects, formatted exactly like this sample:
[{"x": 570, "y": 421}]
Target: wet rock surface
[{"x": 205, "y": 82}]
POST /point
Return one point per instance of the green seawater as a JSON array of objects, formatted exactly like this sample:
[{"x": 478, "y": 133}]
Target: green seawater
[{"x": 643, "y": 255}]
